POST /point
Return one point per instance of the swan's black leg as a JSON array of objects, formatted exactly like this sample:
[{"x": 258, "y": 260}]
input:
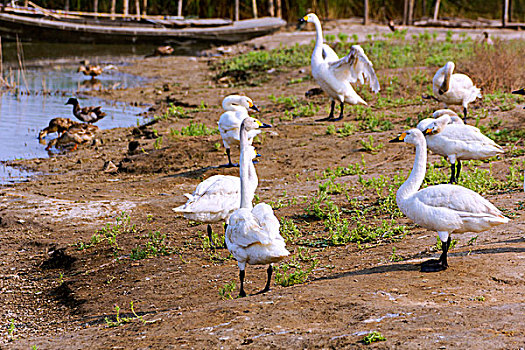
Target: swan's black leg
[
  {"x": 465, "y": 115},
  {"x": 440, "y": 264},
  {"x": 230, "y": 164},
  {"x": 242, "y": 293},
  {"x": 330, "y": 116},
  {"x": 453, "y": 173},
  {"x": 225, "y": 228},
  {"x": 342, "y": 107},
  {"x": 458, "y": 169},
  {"x": 268, "y": 281},
  {"x": 210, "y": 236},
  {"x": 444, "y": 248}
]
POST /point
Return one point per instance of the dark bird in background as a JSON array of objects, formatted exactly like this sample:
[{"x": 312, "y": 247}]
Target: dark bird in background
[{"x": 86, "y": 114}]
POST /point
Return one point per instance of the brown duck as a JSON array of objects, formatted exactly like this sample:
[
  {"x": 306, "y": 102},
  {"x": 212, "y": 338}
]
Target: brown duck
[
  {"x": 90, "y": 69},
  {"x": 58, "y": 125},
  {"x": 86, "y": 114},
  {"x": 77, "y": 134}
]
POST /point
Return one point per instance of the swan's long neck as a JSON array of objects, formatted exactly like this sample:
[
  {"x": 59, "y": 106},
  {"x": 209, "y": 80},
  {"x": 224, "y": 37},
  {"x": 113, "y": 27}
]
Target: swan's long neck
[
  {"x": 247, "y": 171},
  {"x": 417, "y": 175},
  {"x": 446, "y": 80},
  {"x": 318, "y": 48},
  {"x": 231, "y": 104}
]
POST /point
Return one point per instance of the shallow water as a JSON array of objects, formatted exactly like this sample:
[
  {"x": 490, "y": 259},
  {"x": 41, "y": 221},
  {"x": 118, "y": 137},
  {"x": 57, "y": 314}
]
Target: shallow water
[{"x": 41, "y": 96}]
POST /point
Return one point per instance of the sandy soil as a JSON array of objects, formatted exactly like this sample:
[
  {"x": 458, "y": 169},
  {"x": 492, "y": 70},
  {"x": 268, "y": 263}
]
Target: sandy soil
[{"x": 58, "y": 296}]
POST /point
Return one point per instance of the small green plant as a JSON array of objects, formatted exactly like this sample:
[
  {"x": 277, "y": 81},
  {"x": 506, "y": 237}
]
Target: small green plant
[
  {"x": 226, "y": 291},
  {"x": 158, "y": 143},
  {"x": 368, "y": 146},
  {"x": 172, "y": 112},
  {"x": 194, "y": 129},
  {"x": 373, "y": 337},
  {"x": 394, "y": 256},
  {"x": 60, "y": 278},
  {"x": 11, "y": 328},
  {"x": 480, "y": 298},
  {"x": 156, "y": 246},
  {"x": 109, "y": 233},
  {"x": 342, "y": 37},
  {"x": 289, "y": 230},
  {"x": 292, "y": 273},
  {"x": 122, "y": 320}
]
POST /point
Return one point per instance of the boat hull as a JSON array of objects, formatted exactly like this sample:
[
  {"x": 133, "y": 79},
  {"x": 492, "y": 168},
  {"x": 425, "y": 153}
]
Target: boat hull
[{"x": 48, "y": 30}]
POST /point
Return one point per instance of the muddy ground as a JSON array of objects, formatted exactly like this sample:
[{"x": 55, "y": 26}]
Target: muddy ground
[{"x": 57, "y": 291}]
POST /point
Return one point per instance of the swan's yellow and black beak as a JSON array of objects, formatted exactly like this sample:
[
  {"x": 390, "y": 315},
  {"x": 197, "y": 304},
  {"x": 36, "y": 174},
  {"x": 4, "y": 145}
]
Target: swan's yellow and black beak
[
  {"x": 303, "y": 19},
  {"x": 428, "y": 131},
  {"x": 253, "y": 107},
  {"x": 257, "y": 155},
  {"x": 263, "y": 125},
  {"x": 519, "y": 92},
  {"x": 400, "y": 138}
]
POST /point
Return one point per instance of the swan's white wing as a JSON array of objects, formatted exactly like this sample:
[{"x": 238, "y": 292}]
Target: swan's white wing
[
  {"x": 265, "y": 216},
  {"x": 245, "y": 230},
  {"x": 329, "y": 55},
  {"x": 463, "y": 142},
  {"x": 213, "y": 200},
  {"x": 457, "y": 198},
  {"x": 355, "y": 66}
]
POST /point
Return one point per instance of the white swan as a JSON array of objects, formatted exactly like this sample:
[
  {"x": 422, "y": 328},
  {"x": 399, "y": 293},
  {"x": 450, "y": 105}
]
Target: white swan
[
  {"x": 454, "y": 89},
  {"x": 236, "y": 108},
  {"x": 457, "y": 142},
  {"x": 216, "y": 198},
  {"x": 334, "y": 75},
  {"x": 452, "y": 118},
  {"x": 253, "y": 235},
  {"x": 442, "y": 208}
]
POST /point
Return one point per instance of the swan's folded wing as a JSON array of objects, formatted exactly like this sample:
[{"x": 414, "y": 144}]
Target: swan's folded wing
[
  {"x": 355, "y": 66},
  {"x": 457, "y": 198},
  {"x": 244, "y": 229}
]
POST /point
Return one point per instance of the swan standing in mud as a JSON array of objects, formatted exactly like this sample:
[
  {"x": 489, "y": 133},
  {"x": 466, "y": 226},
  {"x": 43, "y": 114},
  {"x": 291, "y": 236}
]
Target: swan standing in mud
[
  {"x": 236, "y": 108},
  {"x": 442, "y": 208},
  {"x": 457, "y": 141},
  {"x": 217, "y": 197},
  {"x": 253, "y": 234},
  {"x": 335, "y": 75},
  {"x": 454, "y": 89}
]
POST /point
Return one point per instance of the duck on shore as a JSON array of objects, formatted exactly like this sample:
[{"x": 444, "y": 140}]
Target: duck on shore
[
  {"x": 86, "y": 114},
  {"x": 58, "y": 125},
  {"x": 74, "y": 136},
  {"x": 93, "y": 70}
]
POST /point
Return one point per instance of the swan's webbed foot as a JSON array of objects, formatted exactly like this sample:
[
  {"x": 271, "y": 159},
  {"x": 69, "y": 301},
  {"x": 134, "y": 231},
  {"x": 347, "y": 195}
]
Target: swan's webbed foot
[
  {"x": 441, "y": 264},
  {"x": 330, "y": 116},
  {"x": 230, "y": 164},
  {"x": 433, "y": 265}
]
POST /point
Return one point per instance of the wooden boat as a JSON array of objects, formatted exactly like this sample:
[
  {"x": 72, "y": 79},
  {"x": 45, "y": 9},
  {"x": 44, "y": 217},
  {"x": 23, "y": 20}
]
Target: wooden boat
[{"x": 57, "y": 26}]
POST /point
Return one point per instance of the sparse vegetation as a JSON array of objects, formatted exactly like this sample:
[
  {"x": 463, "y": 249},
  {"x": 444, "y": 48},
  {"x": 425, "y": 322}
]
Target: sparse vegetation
[
  {"x": 226, "y": 291},
  {"x": 194, "y": 129},
  {"x": 373, "y": 337}
]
